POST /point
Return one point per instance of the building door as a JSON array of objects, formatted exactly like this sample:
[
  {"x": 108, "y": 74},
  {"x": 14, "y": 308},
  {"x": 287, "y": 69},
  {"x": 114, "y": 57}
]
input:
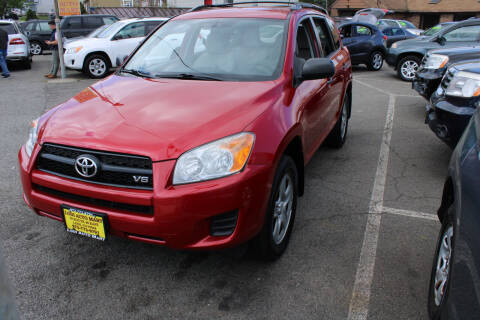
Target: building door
[{"x": 429, "y": 20}]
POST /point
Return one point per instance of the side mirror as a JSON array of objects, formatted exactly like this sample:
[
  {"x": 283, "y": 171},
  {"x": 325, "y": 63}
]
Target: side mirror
[
  {"x": 27, "y": 33},
  {"x": 441, "y": 40},
  {"x": 318, "y": 68}
]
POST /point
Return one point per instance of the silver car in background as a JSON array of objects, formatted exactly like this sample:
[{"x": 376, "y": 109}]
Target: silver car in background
[{"x": 18, "y": 49}]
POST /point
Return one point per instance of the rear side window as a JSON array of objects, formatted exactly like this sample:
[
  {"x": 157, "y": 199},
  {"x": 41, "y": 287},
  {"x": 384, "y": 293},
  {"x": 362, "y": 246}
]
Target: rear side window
[
  {"x": 8, "y": 27},
  {"x": 387, "y": 32},
  {"x": 30, "y": 26},
  {"x": 74, "y": 23},
  {"x": 92, "y": 22},
  {"x": 346, "y": 31},
  {"x": 397, "y": 32},
  {"x": 133, "y": 30},
  {"x": 324, "y": 36},
  {"x": 362, "y": 31},
  {"x": 43, "y": 26},
  {"x": 470, "y": 33}
]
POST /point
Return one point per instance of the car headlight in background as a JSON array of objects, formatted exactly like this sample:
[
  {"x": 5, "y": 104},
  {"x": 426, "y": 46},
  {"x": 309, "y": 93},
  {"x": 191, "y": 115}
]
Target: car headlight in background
[
  {"x": 394, "y": 45},
  {"x": 435, "y": 61},
  {"x": 213, "y": 160},
  {"x": 464, "y": 84},
  {"x": 32, "y": 137},
  {"x": 74, "y": 49}
]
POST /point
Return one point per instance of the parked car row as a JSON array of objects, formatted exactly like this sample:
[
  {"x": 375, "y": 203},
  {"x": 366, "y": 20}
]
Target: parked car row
[{"x": 18, "y": 49}]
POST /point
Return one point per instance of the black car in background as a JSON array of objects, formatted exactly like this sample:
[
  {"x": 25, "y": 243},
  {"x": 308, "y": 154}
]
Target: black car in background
[
  {"x": 454, "y": 291},
  {"x": 454, "y": 102},
  {"x": 37, "y": 31},
  {"x": 365, "y": 43},
  {"x": 436, "y": 62},
  {"x": 405, "y": 56},
  {"x": 81, "y": 25},
  {"x": 395, "y": 34}
]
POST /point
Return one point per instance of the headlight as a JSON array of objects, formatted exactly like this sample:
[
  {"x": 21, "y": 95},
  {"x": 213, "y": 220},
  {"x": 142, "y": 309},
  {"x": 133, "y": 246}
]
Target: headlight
[
  {"x": 32, "y": 137},
  {"x": 464, "y": 84},
  {"x": 74, "y": 49},
  {"x": 214, "y": 160},
  {"x": 435, "y": 61},
  {"x": 394, "y": 45}
]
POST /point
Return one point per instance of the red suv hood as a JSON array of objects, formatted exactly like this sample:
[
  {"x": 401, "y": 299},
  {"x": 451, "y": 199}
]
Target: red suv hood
[{"x": 160, "y": 118}]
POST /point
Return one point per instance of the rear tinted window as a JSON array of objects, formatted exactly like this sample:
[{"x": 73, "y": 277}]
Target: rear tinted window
[
  {"x": 8, "y": 27},
  {"x": 43, "y": 26},
  {"x": 73, "y": 23},
  {"x": 92, "y": 22}
]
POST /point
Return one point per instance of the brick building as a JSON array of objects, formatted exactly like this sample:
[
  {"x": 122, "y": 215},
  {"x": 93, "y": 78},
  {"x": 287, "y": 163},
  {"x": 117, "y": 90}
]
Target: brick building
[{"x": 422, "y": 13}]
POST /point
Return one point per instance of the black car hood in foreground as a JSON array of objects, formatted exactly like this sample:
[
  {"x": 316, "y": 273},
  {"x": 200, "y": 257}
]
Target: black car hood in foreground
[
  {"x": 472, "y": 67},
  {"x": 459, "y": 53}
]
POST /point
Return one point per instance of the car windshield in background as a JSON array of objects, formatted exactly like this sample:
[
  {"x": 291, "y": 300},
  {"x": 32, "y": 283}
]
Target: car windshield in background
[
  {"x": 8, "y": 27},
  {"x": 435, "y": 29},
  {"x": 97, "y": 31},
  {"x": 231, "y": 49},
  {"x": 109, "y": 31}
]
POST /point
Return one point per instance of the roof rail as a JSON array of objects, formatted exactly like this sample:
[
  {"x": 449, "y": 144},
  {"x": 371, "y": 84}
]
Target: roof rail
[{"x": 293, "y": 5}]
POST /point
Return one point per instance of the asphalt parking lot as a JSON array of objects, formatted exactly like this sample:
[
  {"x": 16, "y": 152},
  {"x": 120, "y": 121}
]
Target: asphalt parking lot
[{"x": 362, "y": 244}]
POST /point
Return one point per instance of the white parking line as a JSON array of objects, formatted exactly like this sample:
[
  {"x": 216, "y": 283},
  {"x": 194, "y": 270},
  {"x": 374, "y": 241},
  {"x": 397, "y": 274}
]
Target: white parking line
[
  {"x": 386, "y": 92},
  {"x": 413, "y": 214},
  {"x": 358, "y": 309}
]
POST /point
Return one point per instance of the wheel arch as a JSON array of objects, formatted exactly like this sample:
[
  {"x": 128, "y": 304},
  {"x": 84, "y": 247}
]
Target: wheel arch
[
  {"x": 406, "y": 54},
  {"x": 294, "y": 149},
  {"x": 448, "y": 198},
  {"x": 102, "y": 53}
]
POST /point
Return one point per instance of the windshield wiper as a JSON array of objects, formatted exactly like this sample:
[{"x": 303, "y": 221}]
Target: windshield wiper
[
  {"x": 137, "y": 73},
  {"x": 188, "y": 76}
]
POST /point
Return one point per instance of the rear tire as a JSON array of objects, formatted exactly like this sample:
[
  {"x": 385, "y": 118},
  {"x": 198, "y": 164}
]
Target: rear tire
[
  {"x": 376, "y": 61},
  {"x": 273, "y": 239},
  {"x": 338, "y": 135},
  {"x": 407, "y": 68},
  {"x": 442, "y": 267}
]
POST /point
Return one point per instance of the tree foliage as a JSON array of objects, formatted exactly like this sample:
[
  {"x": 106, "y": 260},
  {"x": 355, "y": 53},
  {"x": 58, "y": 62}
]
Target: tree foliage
[{"x": 5, "y": 5}]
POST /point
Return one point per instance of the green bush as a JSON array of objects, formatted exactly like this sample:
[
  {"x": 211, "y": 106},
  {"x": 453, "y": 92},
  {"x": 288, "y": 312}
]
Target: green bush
[{"x": 31, "y": 15}]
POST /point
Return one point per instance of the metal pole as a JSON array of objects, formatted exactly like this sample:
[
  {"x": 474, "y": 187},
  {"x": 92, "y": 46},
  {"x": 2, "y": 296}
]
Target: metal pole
[{"x": 60, "y": 40}]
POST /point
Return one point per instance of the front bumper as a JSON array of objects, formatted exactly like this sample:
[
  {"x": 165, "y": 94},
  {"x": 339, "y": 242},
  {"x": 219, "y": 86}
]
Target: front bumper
[
  {"x": 74, "y": 61},
  {"x": 426, "y": 82},
  {"x": 448, "y": 118},
  {"x": 182, "y": 215},
  {"x": 392, "y": 57}
]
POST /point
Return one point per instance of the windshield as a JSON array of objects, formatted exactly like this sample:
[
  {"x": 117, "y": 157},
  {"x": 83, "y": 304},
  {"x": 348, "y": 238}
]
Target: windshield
[
  {"x": 97, "y": 31},
  {"x": 109, "y": 30},
  {"x": 232, "y": 49},
  {"x": 435, "y": 29},
  {"x": 407, "y": 24}
]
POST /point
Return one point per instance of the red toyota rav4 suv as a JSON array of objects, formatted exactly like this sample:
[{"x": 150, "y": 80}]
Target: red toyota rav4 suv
[{"x": 201, "y": 138}]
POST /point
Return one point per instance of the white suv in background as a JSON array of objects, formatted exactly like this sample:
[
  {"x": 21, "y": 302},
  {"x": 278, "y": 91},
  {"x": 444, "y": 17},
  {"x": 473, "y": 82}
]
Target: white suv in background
[
  {"x": 18, "y": 49},
  {"x": 96, "y": 55}
]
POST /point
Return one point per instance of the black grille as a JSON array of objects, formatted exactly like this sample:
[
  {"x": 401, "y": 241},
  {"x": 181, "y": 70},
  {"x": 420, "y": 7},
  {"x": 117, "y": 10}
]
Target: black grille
[
  {"x": 224, "y": 224},
  {"x": 120, "y": 170},
  {"x": 94, "y": 201},
  {"x": 447, "y": 79}
]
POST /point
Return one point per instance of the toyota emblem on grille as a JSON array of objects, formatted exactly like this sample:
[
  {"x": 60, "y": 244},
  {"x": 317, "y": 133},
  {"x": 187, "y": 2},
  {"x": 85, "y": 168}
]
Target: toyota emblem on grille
[{"x": 86, "y": 166}]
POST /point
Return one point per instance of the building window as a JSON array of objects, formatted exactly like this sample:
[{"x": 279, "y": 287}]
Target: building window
[{"x": 127, "y": 3}]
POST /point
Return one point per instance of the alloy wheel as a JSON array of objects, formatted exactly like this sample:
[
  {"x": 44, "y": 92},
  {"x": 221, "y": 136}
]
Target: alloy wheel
[
  {"x": 283, "y": 209},
  {"x": 35, "y": 48},
  {"x": 443, "y": 265},
  {"x": 97, "y": 67},
  {"x": 377, "y": 61},
  {"x": 409, "y": 69},
  {"x": 344, "y": 119}
]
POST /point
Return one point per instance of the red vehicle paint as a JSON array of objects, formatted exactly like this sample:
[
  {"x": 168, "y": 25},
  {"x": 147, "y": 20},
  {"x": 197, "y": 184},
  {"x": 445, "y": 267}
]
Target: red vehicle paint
[{"x": 149, "y": 122}]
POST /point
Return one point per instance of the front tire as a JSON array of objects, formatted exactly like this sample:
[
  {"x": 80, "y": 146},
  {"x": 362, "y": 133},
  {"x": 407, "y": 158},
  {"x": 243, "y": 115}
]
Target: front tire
[
  {"x": 338, "y": 135},
  {"x": 441, "y": 268},
  {"x": 273, "y": 239},
  {"x": 376, "y": 61},
  {"x": 36, "y": 48},
  {"x": 96, "y": 66},
  {"x": 407, "y": 68}
]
